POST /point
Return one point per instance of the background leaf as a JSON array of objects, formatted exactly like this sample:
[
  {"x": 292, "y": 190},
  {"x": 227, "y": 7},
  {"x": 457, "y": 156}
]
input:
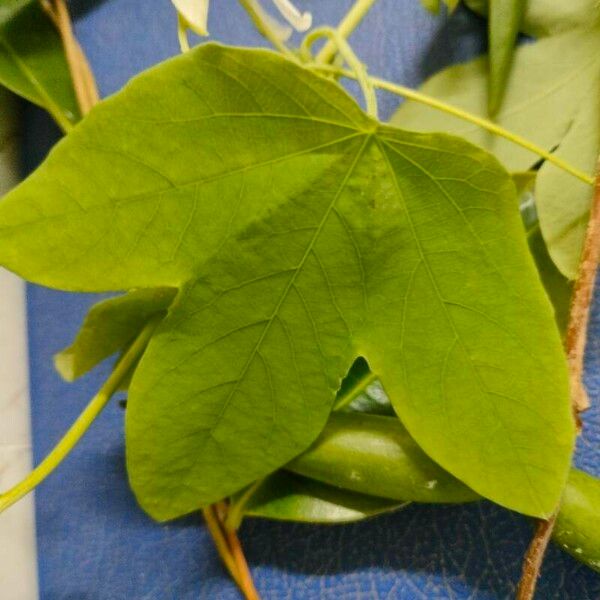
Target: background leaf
[
  {"x": 109, "y": 327},
  {"x": 303, "y": 235},
  {"x": 503, "y": 26},
  {"x": 557, "y": 286},
  {"x": 549, "y": 82},
  {"x": 563, "y": 201},
  {"x": 549, "y": 17},
  {"x": 288, "y": 497},
  {"x": 32, "y": 61}
]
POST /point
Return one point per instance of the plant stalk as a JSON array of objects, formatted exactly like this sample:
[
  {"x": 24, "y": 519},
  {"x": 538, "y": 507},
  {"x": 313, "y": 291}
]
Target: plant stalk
[
  {"x": 358, "y": 68},
  {"x": 534, "y": 557},
  {"x": 83, "y": 422},
  {"x": 216, "y": 531},
  {"x": 346, "y": 26},
  {"x": 575, "y": 348},
  {"x": 265, "y": 29},
  {"x": 235, "y": 553},
  {"x": 84, "y": 83}
]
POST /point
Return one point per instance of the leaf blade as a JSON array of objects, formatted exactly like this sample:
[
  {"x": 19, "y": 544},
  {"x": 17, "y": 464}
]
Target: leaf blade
[
  {"x": 294, "y": 256},
  {"x": 543, "y": 94},
  {"x": 32, "y": 62}
]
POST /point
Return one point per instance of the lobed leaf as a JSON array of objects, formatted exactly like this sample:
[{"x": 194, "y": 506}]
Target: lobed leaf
[
  {"x": 32, "y": 61},
  {"x": 302, "y": 234}
]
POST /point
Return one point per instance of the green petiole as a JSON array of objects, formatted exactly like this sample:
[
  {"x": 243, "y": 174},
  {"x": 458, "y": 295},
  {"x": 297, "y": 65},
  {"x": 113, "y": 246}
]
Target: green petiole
[
  {"x": 407, "y": 92},
  {"x": 83, "y": 422},
  {"x": 358, "y": 68},
  {"x": 346, "y": 26}
]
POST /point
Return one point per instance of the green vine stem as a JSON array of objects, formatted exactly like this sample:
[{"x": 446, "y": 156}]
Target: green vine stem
[
  {"x": 358, "y": 68},
  {"x": 346, "y": 26},
  {"x": 83, "y": 422},
  {"x": 490, "y": 126},
  {"x": 265, "y": 28}
]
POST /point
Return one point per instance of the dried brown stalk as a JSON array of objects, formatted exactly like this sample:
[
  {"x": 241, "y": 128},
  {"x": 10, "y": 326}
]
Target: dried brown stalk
[
  {"x": 84, "y": 83},
  {"x": 575, "y": 348},
  {"x": 230, "y": 549}
]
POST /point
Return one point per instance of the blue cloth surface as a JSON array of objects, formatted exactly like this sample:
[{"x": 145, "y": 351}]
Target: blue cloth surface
[{"x": 94, "y": 542}]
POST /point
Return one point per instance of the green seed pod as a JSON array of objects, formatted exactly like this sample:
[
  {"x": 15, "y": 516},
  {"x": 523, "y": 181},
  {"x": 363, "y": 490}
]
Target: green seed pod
[
  {"x": 376, "y": 455},
  {"x": 577, "y": 528}
]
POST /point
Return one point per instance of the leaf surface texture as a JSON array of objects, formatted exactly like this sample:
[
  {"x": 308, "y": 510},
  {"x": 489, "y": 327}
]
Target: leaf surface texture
[{"x": 301, "y": 235}]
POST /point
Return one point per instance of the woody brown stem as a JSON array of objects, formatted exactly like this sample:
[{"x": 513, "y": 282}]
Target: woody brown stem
[
  {"x": 84, "y": 83},
  {"x": 246, "y": 584},
  {"x": 581, "y": 304},
  {"x": 575, "y": 342},
  {"x": 230, "y": 549}
]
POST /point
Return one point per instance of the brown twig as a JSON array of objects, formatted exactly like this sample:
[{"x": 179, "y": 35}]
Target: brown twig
[
  {"x": 534, "y": 557},
  {"x": 215, "y": 529},
  {"x": 581, "y": 303},
  {"x": 230, "y": 549},
  {"x": 84, "y": 83},
  {"x": 575, "y": 342}
]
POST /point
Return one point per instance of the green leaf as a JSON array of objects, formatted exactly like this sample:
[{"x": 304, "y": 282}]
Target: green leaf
[
  {"x": 548, "y": 83},
  {"x": 109, "y": 327},
  {"x": 564, "y": 202},
  {"x": 577, "y": 528},
  {"x": 302, "y": 235},
  {"x": 549, "y": 17},
  {"x": 503, "y": 26},
  {"x": 288, "y": 497},
  {"x": 32, "y": 61},
  {"x": 375, "y": 455},
  {"x": 557, "y": 286}
]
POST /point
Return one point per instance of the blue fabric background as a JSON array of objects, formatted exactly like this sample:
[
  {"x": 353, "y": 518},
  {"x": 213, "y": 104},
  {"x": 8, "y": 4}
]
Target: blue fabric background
[{"x": 95, "y": 544}]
